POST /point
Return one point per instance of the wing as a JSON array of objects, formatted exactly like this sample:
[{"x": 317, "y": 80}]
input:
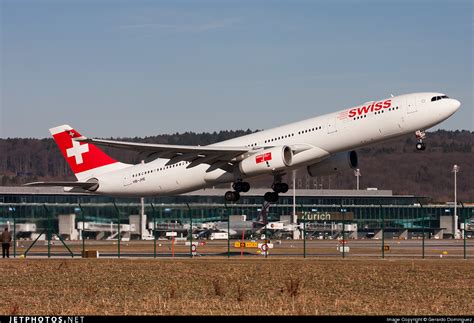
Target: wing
[{"x": 216, "y": 156}]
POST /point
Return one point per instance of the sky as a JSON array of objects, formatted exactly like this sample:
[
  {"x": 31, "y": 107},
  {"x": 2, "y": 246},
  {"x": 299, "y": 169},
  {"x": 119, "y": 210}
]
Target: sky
[{"x": 143, "y": 68}]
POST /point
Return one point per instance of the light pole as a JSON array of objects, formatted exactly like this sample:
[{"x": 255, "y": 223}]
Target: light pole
[
  {"x": 455, "y": 220},
  {"x": 343, "y": 211},
  {"x": 294, "y": 220},
  {"x": 357, "y": 174}
]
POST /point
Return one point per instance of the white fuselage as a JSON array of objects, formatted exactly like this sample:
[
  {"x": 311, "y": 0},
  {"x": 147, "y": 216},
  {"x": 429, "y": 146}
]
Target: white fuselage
[{"x": 335, "y": 132}]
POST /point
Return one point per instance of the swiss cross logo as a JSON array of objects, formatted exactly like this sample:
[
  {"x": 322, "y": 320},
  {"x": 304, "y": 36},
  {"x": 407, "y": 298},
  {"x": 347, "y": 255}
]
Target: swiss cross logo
[
  {"x": 80, "y": 156},
  {"x": 263, "y": 157},
  {"x": 77, "y": 150}
]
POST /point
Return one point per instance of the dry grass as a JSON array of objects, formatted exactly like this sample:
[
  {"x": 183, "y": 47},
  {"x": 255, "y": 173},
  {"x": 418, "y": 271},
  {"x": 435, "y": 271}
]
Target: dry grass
[{"x": 237, "y": 287}]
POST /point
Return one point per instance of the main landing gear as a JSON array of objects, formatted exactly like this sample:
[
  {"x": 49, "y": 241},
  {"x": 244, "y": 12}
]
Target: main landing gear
[
  {"x": 277, "y": 187},
  {"x": 272, "y": 197},
  {"x": 420, "y": 135},
  {"x": 239, "y": 186}
]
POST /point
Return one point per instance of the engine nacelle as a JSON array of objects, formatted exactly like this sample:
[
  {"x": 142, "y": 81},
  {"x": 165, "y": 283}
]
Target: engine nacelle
[
  {"x": 267, "y": 161},
  {"x": 334, "y": 164}
]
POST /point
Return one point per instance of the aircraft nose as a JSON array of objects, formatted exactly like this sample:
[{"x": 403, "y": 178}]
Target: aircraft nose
[
  {"x": 452, "y": 106},
  {"x": 455, "y": 104}
]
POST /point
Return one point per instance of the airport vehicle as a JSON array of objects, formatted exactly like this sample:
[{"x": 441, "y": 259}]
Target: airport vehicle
[
  {"x": 219, "y": 236},
  {"x": 323, "y": 145}
]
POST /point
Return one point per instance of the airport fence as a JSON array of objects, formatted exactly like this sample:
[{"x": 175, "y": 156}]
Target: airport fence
[{"x": 161, "y": 231}]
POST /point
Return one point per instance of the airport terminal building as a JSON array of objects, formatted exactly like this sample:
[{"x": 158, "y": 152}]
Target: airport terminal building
[{"x": 365, "y": 210}]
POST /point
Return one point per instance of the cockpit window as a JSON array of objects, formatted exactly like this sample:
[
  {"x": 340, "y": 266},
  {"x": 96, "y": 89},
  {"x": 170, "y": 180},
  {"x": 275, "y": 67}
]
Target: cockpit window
[{"x": 436, "y": 98}]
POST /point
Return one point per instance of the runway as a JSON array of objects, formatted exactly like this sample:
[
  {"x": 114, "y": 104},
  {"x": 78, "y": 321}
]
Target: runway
[{"x": 278, "y": 248}]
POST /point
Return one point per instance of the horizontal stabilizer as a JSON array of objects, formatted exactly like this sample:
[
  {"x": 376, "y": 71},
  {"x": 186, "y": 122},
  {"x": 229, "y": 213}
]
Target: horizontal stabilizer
[{"x": 91, "y": 186}]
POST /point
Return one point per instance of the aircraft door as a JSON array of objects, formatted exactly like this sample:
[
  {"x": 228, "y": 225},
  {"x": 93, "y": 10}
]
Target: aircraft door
[
  {"x": 127, "y": 179},
  {"x": 331, "y": 125},
  {"x": 411, "y": 104}
]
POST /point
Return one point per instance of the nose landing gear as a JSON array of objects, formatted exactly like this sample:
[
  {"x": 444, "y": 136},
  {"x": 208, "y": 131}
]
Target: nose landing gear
[
  {"x": 420, "y": 146},
  {"x": 420, "y": 135}
]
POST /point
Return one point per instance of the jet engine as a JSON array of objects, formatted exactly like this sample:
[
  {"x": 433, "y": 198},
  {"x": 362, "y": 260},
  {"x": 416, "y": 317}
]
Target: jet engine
[
  {"x": 334, "y": 164},
  {"x": 267, "y": 161}
]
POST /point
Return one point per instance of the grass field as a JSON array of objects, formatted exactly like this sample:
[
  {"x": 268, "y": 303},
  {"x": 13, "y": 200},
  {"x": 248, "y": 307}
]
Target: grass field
[{"x": 286, "y": 286}]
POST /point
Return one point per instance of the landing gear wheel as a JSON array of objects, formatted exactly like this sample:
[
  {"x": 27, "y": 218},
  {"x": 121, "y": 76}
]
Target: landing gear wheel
[
  {"x": 280, "y": 187},
  {"x": 236, "y": 196},
  {"x": 231, "y": 196},
  {"x": 420, "y": 146},
  {"x": 241, "y": 187},
  {"x": 271, "y": 197},
  {"x": 237, "y": 186},
  {"x": 420, "y": 135}
]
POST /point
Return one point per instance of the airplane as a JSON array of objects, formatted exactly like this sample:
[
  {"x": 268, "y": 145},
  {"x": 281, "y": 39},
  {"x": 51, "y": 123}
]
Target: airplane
[
  {"x": 323, "y": 145},
  {"x": 236, "y": 228},
  {"x": 249, "y": 228}
]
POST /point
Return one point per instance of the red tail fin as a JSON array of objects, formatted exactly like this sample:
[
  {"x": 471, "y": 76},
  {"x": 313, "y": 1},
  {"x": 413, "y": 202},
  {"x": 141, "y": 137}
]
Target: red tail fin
[{"x": 81, "y": 157}]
